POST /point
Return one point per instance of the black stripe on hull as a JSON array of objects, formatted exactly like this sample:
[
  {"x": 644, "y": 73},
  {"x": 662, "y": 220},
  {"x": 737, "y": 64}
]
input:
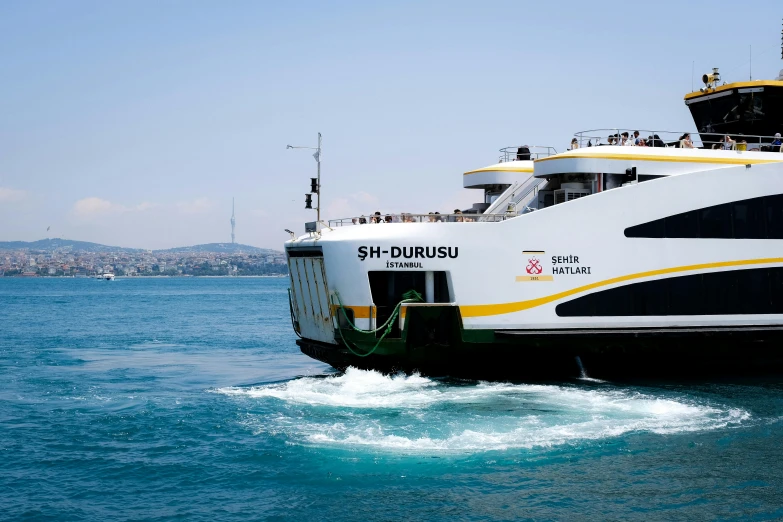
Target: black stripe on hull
[{"x": 535, "y": 355}]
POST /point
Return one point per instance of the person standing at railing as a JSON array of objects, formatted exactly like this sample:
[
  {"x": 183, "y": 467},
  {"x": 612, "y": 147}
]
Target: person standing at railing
[
  {"x": 637, "y": 140},
  {"x": 685, "y": 141},
  {"x": 778, "y": 142},
  {"x": 574, "y": 144}
]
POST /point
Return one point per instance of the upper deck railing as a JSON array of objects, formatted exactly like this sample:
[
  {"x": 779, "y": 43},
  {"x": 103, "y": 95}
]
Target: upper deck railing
[
  {"x": 525, "y": 152},
  {"x": 677, "y": 139},
  {"x": 422, "y": 218}
]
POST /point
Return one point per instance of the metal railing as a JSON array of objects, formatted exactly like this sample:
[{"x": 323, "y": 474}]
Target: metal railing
[
  {"x": 421, "y": 218},
  {"x": 677, "y": 139},
  {"x": 525, "y": 152},
  {"x": 516, "y": 194}
]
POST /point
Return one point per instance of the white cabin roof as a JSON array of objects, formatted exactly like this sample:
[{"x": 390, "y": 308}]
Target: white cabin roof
[
  {"x": 506, "y": 173},
  {"x": 659, "y": 161}
]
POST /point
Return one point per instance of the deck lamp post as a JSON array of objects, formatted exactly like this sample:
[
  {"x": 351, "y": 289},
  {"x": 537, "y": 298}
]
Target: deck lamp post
[{"x": 315, "y": 183}]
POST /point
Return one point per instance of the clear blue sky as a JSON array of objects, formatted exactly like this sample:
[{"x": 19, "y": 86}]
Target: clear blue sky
[{"x": 135, "y": 123}]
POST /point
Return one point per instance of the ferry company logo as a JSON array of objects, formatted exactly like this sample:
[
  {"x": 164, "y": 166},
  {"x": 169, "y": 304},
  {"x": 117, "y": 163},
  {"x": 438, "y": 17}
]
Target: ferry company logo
[
  {"x": 537, "y": 263},
  {"x": 534, "y": 267}
]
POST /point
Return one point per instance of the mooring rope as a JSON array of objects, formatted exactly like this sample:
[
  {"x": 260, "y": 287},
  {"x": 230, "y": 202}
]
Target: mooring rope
[{"x": 411, "y": 296}]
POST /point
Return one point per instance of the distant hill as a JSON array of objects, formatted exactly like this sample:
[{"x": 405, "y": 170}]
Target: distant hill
[
  {"x": 63, "y": 244},
  {"x": 230, "y": 248},
  {"x": 86, "y": 246}
]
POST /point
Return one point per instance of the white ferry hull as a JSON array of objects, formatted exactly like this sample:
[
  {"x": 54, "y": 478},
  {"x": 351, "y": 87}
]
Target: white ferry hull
[{"x": 505, "y": 281}]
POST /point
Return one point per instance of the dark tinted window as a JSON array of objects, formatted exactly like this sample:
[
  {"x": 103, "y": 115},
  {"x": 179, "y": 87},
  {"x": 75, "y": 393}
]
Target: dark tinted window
[
  {"x": 686, "y": 295},
  {"x": 748, "y": 219},
  {"x": 682, "y": 225},
  {"x": 715, "y": 222},
  {"x": 753, "y": 283},
  {"x": 773, "y": 207},
  {"x": 751, "y": 291},
  {"x": 649, "y": 229},
  {"x": 776, "y": 287},
  {"x": 756, "y": 218}
]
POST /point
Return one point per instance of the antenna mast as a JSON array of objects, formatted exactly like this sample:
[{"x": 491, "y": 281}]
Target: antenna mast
[{"x": 233, "y": 221}]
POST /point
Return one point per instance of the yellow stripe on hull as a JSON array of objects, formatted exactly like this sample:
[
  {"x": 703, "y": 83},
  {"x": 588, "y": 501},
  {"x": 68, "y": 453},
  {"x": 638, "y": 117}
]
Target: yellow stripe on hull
[{"x": 507, "y": 308}]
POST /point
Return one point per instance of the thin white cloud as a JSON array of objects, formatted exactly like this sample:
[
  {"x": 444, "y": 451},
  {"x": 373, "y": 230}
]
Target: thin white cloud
[
  {"x": 197, "y": 206},
  {"x": 9, "y": 194},
  {"x": 93, "y": 206}
]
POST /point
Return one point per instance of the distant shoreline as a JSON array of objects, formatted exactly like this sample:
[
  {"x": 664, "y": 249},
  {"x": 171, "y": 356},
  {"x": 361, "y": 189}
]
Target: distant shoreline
[{"x": 186, "y": 276}]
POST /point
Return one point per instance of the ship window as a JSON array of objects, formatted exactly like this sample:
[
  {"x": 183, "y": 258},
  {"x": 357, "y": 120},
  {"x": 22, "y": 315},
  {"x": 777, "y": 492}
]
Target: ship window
[
  {"x": 748, "y": 219},
  {"x": 776, "y": 284},
  {"x": 682, "y": 225},
  {"x": 755, "y": 218},
  {"x": 773, "y": 205},
  {"x": 685, "y": 295},
  {"x": 750, "y": 291},
  {"x": 715, "y": 222}
]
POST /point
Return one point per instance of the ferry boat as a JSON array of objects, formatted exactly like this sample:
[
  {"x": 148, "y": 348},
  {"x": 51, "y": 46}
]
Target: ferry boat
[
  {"x": 106, "y": 277},
  {"x": 661, "y": 258}
]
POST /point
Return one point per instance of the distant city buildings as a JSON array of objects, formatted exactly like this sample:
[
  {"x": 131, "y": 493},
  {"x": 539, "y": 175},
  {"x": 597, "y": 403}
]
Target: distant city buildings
[{"x": 39, "y": 263}]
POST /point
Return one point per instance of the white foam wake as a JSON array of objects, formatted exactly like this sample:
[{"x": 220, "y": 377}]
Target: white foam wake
[
  {"x": 414, "y": 413},
  {"x": 354, "y": 388}
]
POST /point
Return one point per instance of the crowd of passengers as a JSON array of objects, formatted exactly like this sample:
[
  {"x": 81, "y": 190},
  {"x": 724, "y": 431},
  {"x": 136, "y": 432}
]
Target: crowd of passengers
[
  {"x": 624, "y": 139},
  {"x": 432, "y": 217}
]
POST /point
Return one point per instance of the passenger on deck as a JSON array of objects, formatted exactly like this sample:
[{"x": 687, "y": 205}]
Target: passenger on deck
[
  {"x": 640, "y": 142},
  {"x": 728, "y": 143},
  {"x": 612, "y": 139},
  {"x": 778, "y": 142},
  {"x": 362, "y": 220},
  {"x": 685, "y": 141},
  {"x": 431, "y": 217},
  {"x": 574, "y": 144},
  {"x": 457, "y": 215},
  {"x": 624, "y": 141},
  {"x": 636, "y": 138},
  {"x": 376, "y": 218},
  {"x": 388, "y": 219}
]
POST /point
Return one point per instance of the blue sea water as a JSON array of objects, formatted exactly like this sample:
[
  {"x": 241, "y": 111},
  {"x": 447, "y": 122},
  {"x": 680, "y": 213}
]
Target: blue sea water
[{"x": 187, "y": 399}]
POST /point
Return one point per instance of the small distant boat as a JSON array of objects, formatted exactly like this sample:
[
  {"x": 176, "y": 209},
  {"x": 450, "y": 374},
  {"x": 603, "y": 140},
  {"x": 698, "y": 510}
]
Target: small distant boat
[{"x": 105, "y": 277}]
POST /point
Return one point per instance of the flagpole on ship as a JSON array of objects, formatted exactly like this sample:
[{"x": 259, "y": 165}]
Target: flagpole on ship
[
  {"x": 315, "y": 183},
  {"x": 318, "y": 203}
]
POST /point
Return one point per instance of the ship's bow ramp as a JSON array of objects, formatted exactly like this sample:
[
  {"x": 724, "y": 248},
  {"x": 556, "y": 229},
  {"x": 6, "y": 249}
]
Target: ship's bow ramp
[{"x": 311, "y": 309}]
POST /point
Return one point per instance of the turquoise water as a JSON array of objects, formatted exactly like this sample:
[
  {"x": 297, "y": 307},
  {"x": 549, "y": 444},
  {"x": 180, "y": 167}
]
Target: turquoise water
[{"x": 167, "y": 399}]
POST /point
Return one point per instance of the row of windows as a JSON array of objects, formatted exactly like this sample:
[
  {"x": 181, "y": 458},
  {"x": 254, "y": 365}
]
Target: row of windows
[
  {"x": 751, "y": 291},
  {"x": 756, "y": 218}
]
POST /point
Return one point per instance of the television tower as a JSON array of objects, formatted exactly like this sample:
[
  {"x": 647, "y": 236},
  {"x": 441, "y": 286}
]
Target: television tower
[{"x": 233, "y": 221}]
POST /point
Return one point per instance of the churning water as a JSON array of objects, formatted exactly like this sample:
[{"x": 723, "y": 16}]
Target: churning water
[{"x": 188, "y": 399}]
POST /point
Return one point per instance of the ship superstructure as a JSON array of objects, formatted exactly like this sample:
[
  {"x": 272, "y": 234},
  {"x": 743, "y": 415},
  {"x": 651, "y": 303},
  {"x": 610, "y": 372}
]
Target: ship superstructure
[{"x": 663, "y": 256}]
